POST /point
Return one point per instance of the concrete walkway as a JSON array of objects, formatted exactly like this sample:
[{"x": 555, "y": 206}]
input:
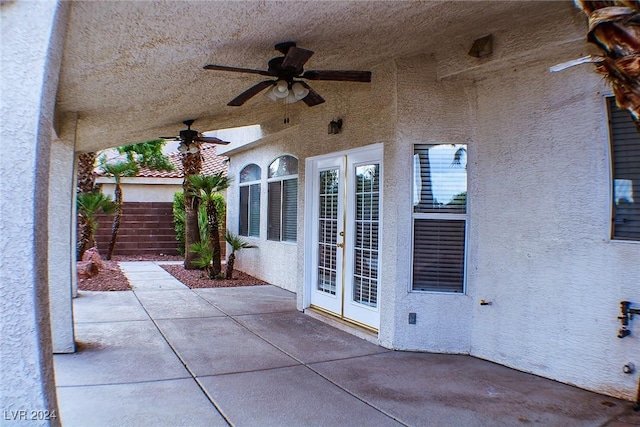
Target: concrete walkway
[{"x": 165, "y": 355}]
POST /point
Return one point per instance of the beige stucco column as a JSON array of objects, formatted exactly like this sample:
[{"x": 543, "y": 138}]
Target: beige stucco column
[
  {"x": 32, "y": 40},
  {"x": 61, "y": 242}
]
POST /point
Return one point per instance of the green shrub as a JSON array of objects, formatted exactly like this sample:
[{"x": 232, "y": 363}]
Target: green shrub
[{"x": 179, "y": 217}]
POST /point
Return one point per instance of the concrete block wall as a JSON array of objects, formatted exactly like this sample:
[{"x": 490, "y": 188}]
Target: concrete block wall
[{"x": 146, "y": 228}]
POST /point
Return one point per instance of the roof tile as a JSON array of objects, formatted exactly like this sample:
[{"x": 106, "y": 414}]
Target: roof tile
[{"x": 212, "y": 164}]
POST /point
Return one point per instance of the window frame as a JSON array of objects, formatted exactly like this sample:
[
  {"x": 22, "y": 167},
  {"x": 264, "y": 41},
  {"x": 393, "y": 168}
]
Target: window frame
[
  {"x": 608, "y": 99},
  {"x": 281, "y": 179},
  {"x": 418, "y": 216},
  {"x": 252, "y": 186}
]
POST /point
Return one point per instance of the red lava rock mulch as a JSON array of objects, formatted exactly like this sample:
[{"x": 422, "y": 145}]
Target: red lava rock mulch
[
  {"x": 198, "y": 279},
  {"x": 111, "y": 278}
]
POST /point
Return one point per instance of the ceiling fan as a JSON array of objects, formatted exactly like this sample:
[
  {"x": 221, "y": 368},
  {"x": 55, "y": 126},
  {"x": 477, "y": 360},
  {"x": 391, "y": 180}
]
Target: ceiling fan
[
  {"x": 287, "y": 70},
  {"x": 188, "y": 137}
]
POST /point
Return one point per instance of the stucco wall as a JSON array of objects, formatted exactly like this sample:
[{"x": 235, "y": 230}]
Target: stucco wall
[
  {"x": 61, "y": 245},
  {"x": 538, "y": 201},
  {"x": 540, "y": 232},
  {"x": 539, "y": 206},
  {"x": 281, "y": 263},
  {"x": 28, "y": 85},
  {"x": 143, "y": 189},
  {"x": 441, "y": 113}
]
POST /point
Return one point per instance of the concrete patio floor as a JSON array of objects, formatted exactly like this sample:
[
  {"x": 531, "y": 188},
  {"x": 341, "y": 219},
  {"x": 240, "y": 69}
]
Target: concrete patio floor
[{"x": 165, "y": 355}]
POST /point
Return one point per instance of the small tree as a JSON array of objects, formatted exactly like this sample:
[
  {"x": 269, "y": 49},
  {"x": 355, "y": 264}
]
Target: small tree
[
  {"x": 89, "y": 205},
  {"x": 117, "y": 170},
  {"x": 236, "y": 243},
  {"x": 179, "y": 218},
  {"x": 148, "y": 155},
  {"x": 205, "y": 188},
  {"x": 86, "y": 177},
  {"x": 191, "y": 165},
  {"x": 144, "y": 154},
  {"x": 204, "y": 258}
]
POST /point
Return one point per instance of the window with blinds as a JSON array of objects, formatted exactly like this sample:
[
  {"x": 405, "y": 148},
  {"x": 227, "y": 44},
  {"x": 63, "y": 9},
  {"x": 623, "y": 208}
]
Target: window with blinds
[
  {"x": 250, "y": 201},
  {"x": 625, "y": 158},
  {"x": 439, "y": 217},
  {"x": 282, "y": 199}
]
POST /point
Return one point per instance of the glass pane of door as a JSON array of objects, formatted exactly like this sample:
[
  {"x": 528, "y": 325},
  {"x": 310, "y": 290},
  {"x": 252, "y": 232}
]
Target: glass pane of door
[
  {"x": 366, "y": 226},
  {"x": 328, "y": 231}
]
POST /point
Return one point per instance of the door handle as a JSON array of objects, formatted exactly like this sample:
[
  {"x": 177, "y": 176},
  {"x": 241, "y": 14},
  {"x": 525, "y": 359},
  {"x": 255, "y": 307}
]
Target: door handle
[{"x": 340, "y": 245}]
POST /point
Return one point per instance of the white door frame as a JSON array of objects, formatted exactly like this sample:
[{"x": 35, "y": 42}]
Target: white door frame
[{"x": 311, "y": 191}]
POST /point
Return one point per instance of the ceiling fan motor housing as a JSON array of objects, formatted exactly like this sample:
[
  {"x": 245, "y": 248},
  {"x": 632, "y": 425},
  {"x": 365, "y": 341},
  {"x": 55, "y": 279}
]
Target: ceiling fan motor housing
[
  {"x": 188, "y": 135},
  {"x": 277, "y": 70}
]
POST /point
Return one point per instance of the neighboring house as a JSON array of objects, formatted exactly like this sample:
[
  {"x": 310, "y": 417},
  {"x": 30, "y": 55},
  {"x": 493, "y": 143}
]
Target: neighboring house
[{"x": 147, "y": 221}]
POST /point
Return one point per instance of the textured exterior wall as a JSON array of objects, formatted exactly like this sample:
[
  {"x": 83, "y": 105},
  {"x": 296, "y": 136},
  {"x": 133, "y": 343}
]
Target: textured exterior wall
[
  {"x": 540, "y": 232},
  {"x": 144, "y": 190},
  {"x": 28, "y": 94},
  {"x": 539, "y": 204},
  {"x": 281, "y": 263},
  {"x": 61, "y": 245},
  {"x": 440, "y": 114}
]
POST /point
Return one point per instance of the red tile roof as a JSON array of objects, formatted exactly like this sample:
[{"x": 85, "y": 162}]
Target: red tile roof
[{"x": 212, "y": 164}]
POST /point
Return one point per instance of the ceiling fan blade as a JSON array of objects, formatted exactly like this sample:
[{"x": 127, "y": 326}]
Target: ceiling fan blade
[
  {"x": 313, "y": 98},
  {"x": 211, "y": 140},
  {"x": 235, "y": 69},
  {"x": 338, "y": 75},
  {"x": 296, "y": 57},
  {"x": 249, "y": 93},
  {"x": 170, "y": 138}
]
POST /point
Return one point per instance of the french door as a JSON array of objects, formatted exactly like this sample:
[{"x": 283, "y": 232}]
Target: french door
[{"x": 344, "y": 199}]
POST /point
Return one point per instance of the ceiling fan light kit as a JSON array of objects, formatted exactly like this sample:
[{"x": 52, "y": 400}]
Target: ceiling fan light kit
[
  {"x": 188, "y": 148},
  {"x": 286, "y": 69},
  {"x": 289, "y": 92},
  {"x": 190, "y": 138}
]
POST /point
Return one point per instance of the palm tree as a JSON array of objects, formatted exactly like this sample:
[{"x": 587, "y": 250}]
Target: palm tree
[
  {"x": 86, "y": 178},
  {"x": 236, "y": 244},
  {"x": 204, "y": 259},
  {"x": 117, "y": 170},
  {"x": 205, "y": 188},
  {"x": 89, "y": 205},
  {"x": 191, "y": 165},
  {"x": 614, "y": 28}
]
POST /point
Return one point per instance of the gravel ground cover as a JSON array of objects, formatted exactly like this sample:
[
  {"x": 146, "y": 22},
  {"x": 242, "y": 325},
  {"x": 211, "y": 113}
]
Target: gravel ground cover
[{"x": 111, "y": 278}]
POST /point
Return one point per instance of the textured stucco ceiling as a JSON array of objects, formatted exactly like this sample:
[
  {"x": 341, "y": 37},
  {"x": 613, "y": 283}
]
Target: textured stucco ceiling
[{"x": 132, "y": 70}]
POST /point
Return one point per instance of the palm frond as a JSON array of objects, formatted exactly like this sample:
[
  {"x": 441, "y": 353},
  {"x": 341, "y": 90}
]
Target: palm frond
[
  {"x": 204, "y": 254},
  {"x": 203, "y": 224},
  {"x": 236, "y": 242},
  {"x": 614, "y": 27},
  {"x": 90, "y": 204},
  {"x": 205, "y": 186},
  {"x": 120, "y": 168}
]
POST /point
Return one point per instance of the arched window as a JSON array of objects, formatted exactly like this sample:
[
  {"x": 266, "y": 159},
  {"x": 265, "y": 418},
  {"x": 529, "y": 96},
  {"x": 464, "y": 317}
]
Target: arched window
[
  {"x": 250, "y": 200},
  {"x": 282, "y": 181}
]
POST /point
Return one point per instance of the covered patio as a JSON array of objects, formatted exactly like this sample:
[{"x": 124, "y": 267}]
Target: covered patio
[
  {"x": 540, "y": 272},
  {"x": 164, "y": 355}
]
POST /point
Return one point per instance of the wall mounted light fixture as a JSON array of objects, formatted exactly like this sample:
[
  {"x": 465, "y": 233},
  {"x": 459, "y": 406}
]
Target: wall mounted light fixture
[
  {"x": 482, "y": 46},
  {"x": 335, "y": 126}
]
